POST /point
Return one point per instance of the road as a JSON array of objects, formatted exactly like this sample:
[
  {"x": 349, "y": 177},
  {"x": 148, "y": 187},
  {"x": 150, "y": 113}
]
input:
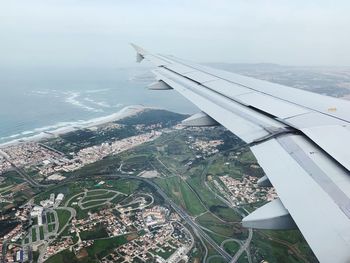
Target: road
[
  {"x": 179, "y": 210},
  {"x": 51, "y": 149},
  {"x": 243, "y": 248},
  {"x": 81, "y": 202},
  {"x": 25, "y": 176},
  {"x": 48, "y": 241}
]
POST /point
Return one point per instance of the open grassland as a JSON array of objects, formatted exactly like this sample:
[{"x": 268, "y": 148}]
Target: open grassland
[
  {"x": 96, "y": 192},
  {"x": 68, "y": 189},
  {"x": 98, "y": 232},
  {"x": 124, "y": 186},
  {"x": 178, "y": 190},
  {"x": 221, "y": 228},
  {"x": 231, "y": 247},
  {"x": 93, "y": 203},
  {"x": 212, "y": 203},
  {"x": 63, "y": 217},
  {"x": 64, "y": 256},
  {"x": 103, "y": 247},
  {"x": 107, "y": 195},
  {"x": 281, "y": 246}
]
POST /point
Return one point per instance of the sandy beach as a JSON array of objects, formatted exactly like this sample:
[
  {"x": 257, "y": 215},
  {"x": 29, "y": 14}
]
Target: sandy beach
[{"x": 123, "y": 113}]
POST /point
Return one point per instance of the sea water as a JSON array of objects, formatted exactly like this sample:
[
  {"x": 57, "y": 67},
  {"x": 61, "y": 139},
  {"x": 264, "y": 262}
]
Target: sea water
[{"x": 38, "y": 100}]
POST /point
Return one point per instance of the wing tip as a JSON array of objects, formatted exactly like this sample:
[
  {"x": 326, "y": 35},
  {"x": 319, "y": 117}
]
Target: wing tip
[{"x": 138, "y": 49}]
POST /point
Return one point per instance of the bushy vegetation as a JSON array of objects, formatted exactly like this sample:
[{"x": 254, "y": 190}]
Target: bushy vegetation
[
  {"x": 98, "y": 232},
  {"x": 150, "y": 117}
]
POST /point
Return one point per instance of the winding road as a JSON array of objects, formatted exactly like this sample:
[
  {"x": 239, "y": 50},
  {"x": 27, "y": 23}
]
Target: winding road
[{"x": 183, "y": 214}]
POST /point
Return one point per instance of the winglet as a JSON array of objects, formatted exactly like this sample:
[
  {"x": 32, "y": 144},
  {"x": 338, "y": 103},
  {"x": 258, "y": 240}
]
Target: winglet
[
  {"x": 140, "y": 52},
  {"x": 139, "y": 49}
]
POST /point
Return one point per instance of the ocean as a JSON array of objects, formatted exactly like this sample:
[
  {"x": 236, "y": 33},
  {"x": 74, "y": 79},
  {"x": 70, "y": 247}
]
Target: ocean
[{"x": 33, "y": 101}]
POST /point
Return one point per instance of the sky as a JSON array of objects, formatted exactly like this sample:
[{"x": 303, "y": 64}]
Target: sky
[{"x": 97, "y": 33}]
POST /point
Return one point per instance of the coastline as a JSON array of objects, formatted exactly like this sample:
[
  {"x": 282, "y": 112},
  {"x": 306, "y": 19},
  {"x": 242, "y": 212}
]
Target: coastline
[{"x": 123, "y": 113}]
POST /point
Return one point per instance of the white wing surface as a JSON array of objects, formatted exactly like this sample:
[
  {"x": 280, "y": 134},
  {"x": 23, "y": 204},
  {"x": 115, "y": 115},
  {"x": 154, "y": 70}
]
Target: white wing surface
[{"x": 300, "y": 139}]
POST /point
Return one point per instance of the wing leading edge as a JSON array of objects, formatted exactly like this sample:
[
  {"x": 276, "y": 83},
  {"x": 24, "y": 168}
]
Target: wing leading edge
[{"x": 299, "y": 138}]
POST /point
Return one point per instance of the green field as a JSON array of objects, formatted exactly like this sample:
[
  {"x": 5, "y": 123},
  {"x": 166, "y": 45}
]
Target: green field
[
  {"x": 118, "y": 198},
  {"x": 99, "y": 196},
  {"x": 275, "y": 246},
  {"x": 231, "y": 247},
  {"x": 217, "y": 259},
  {"x": 180, "y": 192},
  {"x": 64, "y": 256},
  {"x": 213, "y": 204},
  {"x": 34, "y": 235},
  {"x": 34, "y": 221},
  {"x": 96, "y": 192},
  {"x": 124, "y": 186},
  {"x": 244, "y": 259},
  {"x": 80, "y": 212},
  {"x": 93, "y": 203},
  {"x": 51, "y": 227},
  {"x": 50, "y": 217},
  {"x": 222, "y": 230},
  {"x": 98, "y": 232},
  {"x": 41, "y": 232},
  {"x": 63, "y": 217},
  {"x": 225, "y": 213},
  {"x": 212, "y": 253},
  {"x": 103, "y": 247},
  {"x": 68, "y": 189}
]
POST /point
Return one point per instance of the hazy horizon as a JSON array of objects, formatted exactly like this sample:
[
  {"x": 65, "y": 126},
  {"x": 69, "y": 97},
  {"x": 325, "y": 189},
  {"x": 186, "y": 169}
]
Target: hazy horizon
[
  {"x": 53, "y": 53},
  {"x": 65, "y": 33}
]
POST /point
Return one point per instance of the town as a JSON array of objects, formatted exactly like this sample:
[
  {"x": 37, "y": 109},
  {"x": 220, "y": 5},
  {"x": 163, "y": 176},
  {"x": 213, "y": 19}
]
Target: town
[
  {"x": 245, "y": 190},
  {"x": 173, "y": 194},
  {"x": 157, "y": 231},
  {"x": 49, "y": 163}
]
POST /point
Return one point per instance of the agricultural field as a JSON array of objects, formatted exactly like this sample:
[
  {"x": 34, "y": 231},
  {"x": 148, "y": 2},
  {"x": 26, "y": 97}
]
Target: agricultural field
[{"x": 184, "y": 164}]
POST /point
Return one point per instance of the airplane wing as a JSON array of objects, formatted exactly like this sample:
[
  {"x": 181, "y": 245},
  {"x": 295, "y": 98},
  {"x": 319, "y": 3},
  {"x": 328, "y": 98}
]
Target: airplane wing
[{"x": 300, "y": 139}]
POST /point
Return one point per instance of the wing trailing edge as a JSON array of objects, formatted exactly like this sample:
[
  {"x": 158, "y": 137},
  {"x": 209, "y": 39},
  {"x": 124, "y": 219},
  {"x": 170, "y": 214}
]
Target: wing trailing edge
[{"x": 296, "y": 137}]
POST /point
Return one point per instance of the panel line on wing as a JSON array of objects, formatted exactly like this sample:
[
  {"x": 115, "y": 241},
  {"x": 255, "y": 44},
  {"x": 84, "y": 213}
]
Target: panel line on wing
[
  {"x": 320, "y": 219},
  {"x": 246, "y": 130},
  {"x": 256, "y": 111},
  {"x": 271, "y": 127},
  {"x": 322, "y": 179},
  {"x": 311, "y": 183},
  {"x": 259, "y": 91},
  {"x": 238, "y": 99}
]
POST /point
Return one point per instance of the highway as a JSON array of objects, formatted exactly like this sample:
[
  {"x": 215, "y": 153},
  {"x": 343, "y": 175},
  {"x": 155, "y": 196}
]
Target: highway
[
  {"x": 190, "y": 221},
  {"x": 25, "y": 176},
  {"x": 180, "y": 211},
  {"x": 243, "y": 248}
]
